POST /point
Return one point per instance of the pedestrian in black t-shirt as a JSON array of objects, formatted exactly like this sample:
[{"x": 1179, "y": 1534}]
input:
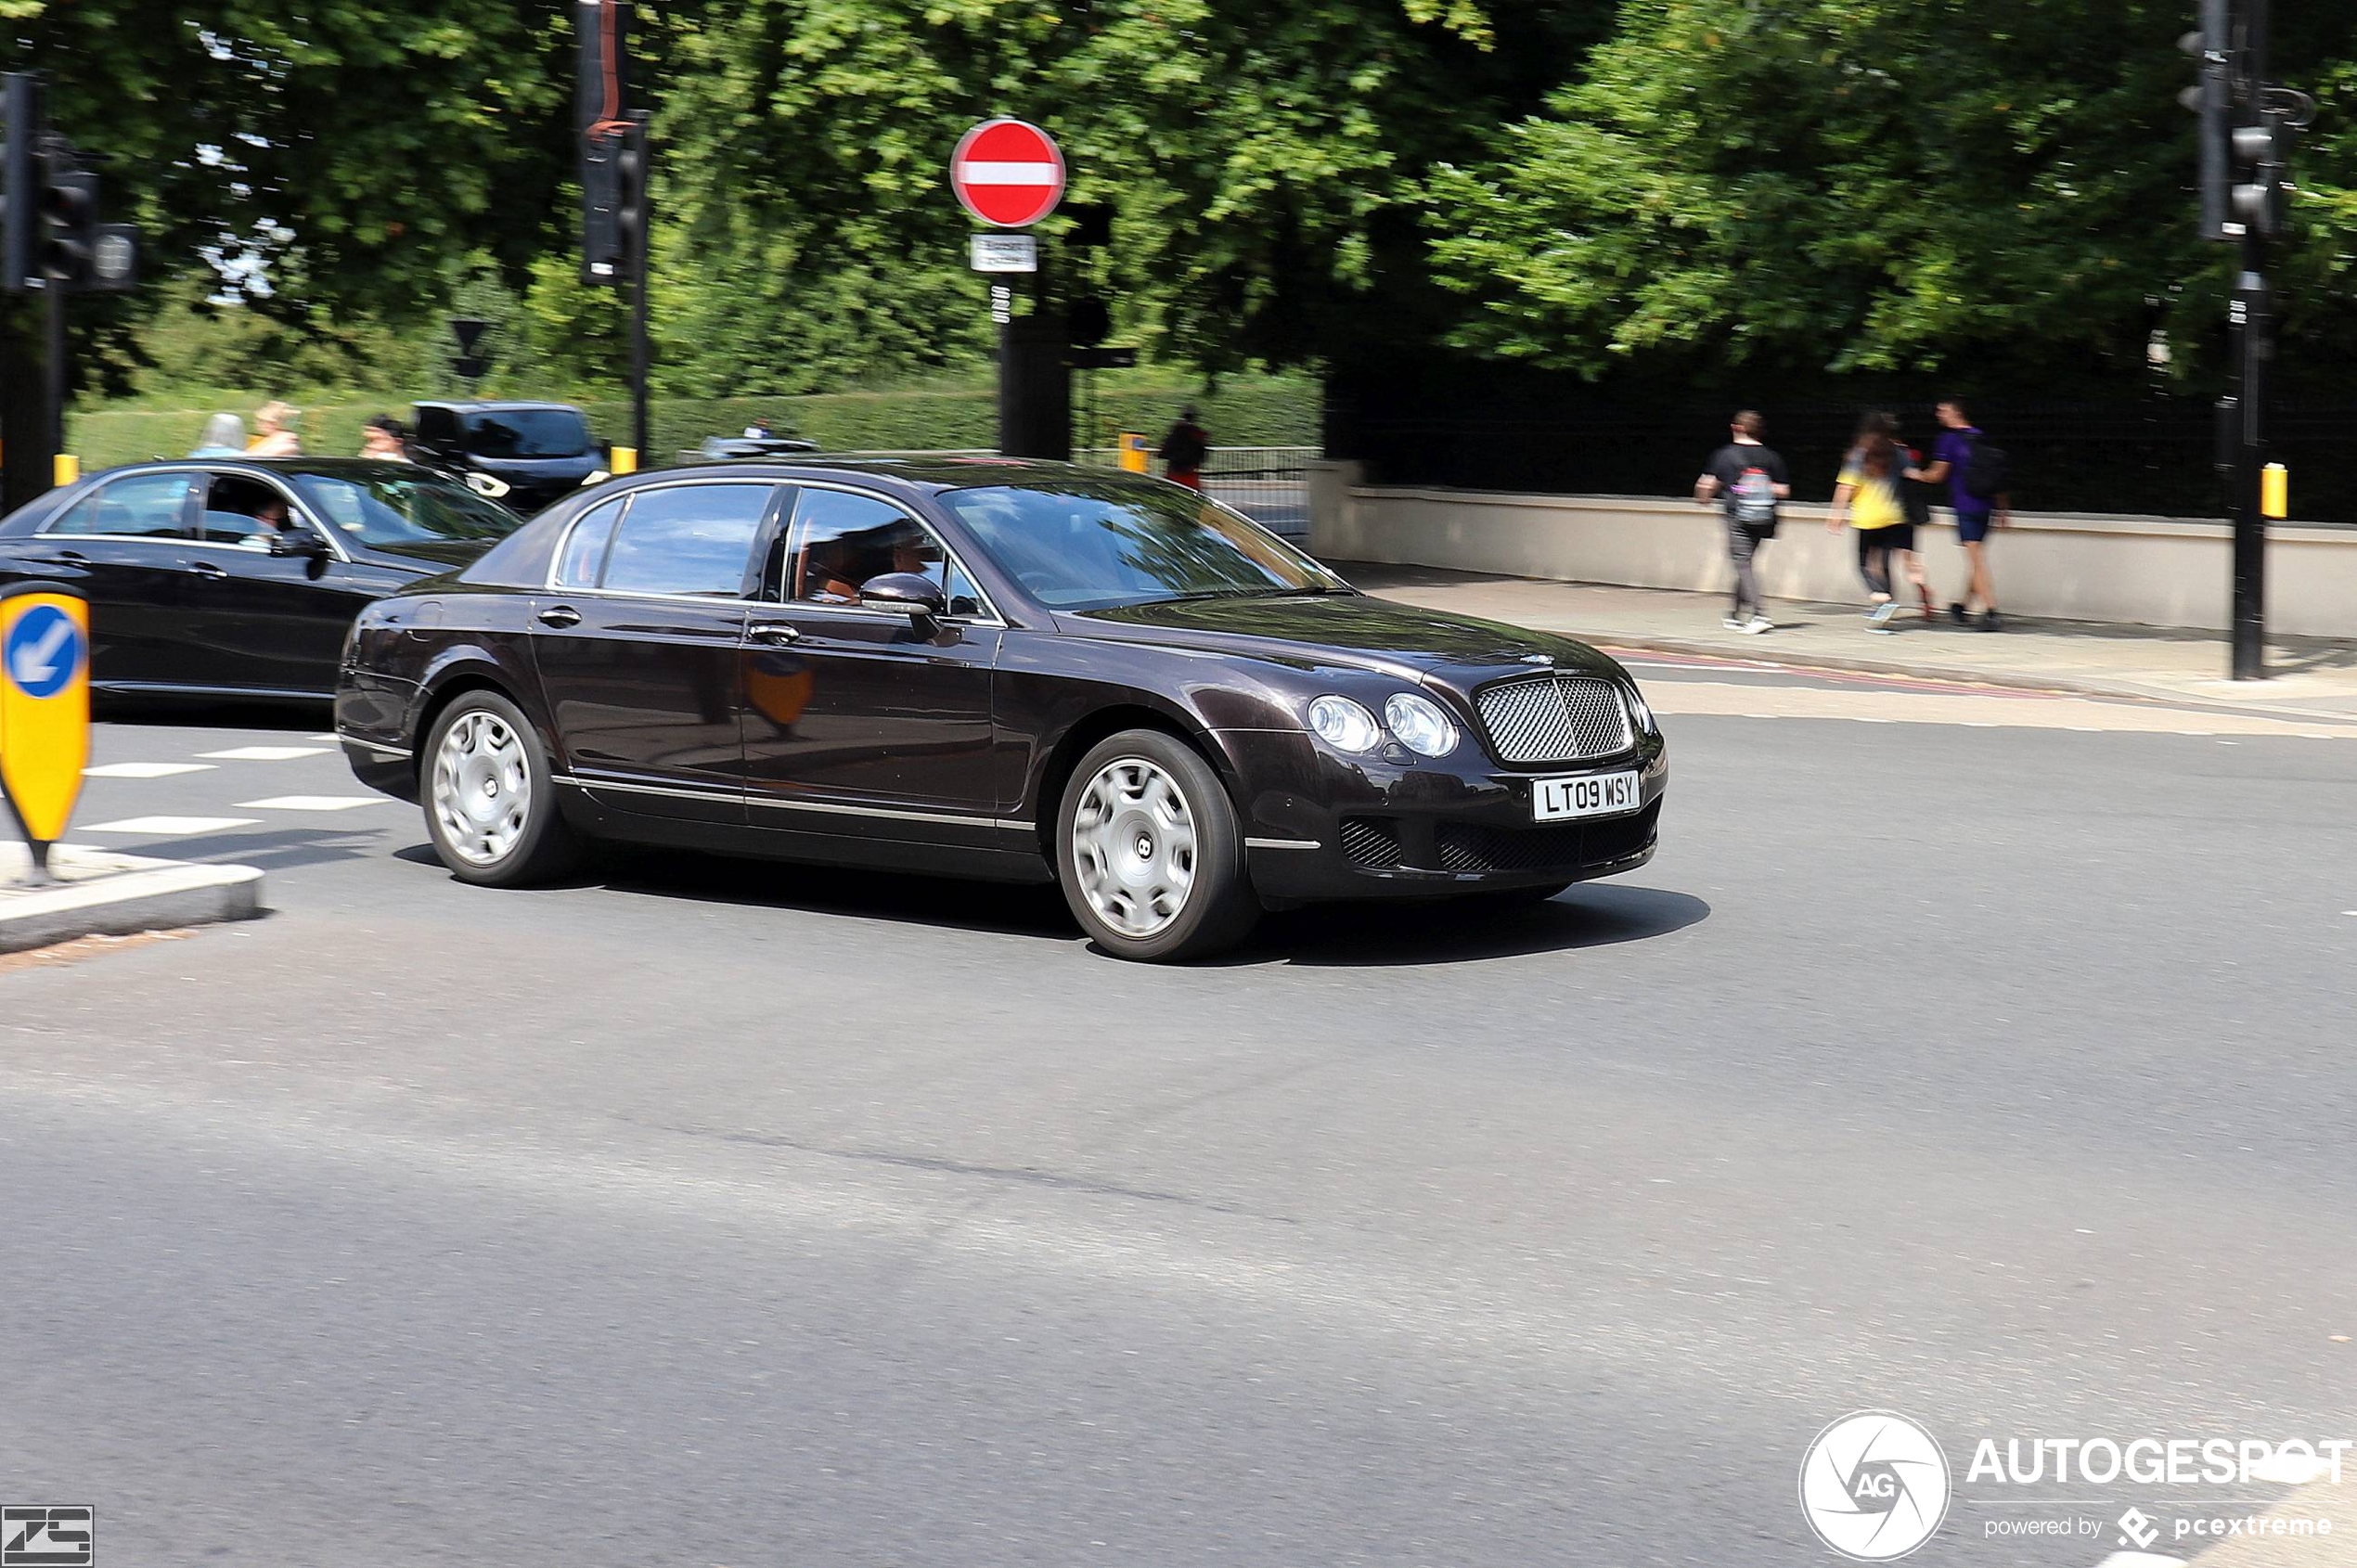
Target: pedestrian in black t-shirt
[{"x": 1749, "y": 482}]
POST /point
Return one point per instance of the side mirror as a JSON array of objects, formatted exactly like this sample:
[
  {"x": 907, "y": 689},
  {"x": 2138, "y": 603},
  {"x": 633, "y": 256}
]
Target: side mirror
[
  {"x": 910, "y": 593},
  {"x": 297, "y": 542}
]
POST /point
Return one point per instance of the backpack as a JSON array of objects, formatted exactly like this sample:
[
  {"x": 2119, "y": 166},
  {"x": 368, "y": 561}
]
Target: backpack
[
  {"x": 1988, "y": 473},
  {"x": 1753, "y": 498}
]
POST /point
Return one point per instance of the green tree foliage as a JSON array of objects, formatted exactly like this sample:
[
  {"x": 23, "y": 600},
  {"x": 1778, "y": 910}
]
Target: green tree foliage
[
  {"x": 1860, "y": 185},
  {"x": 1251, "y": 151},
  {"x": 338, "y": 155}
]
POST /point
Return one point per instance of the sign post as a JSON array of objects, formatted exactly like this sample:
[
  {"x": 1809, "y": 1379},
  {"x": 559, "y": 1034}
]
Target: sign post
[
  {"x": 44, "y": 712},
  {"x": 1010, "y": 174}
]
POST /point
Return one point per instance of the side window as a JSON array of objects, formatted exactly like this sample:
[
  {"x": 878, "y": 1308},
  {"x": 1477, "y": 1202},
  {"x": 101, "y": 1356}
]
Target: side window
[
  {"x": 439, "y": 426},
  {"x": 138, "y": 505},
  {"x": 586, "y": 546},
  {"x": 841, "y": 540},
  {"x": 964, "y": 598},
  {"x": 240, "y": 510},
  {"x": 688, "y": 539}
]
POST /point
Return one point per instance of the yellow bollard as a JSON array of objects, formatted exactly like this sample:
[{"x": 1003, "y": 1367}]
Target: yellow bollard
[
  {"x": 64, "y": 469},
  {"x": 1134, "y": 457},
  {"x": 624, "y": 461},
  {"x": 2274, "y": 491}
]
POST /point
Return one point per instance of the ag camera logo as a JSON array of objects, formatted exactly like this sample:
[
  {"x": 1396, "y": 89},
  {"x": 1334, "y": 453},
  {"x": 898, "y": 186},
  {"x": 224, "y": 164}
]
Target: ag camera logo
[{"x": 1874, "y": 1486}]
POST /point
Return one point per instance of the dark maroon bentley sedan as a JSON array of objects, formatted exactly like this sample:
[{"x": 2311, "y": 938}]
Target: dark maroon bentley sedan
[{"x": 1029, "y": 671}]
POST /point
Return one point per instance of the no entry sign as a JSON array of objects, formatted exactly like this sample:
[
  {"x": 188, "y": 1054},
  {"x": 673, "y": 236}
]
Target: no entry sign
[{"x": 1007, "y": 172}]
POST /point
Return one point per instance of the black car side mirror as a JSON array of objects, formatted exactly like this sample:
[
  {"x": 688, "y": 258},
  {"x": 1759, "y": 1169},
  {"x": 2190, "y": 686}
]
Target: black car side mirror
[
  {"x": 910, "y": 593},
  {"x": 297, "y": 542}
]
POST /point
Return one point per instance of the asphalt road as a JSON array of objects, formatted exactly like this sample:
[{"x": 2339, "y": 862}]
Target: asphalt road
[{"x": 1977, "y": 1067}]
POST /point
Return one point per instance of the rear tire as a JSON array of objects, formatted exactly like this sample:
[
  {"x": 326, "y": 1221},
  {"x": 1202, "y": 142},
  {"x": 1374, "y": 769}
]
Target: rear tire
[
  {"x": 490, "y": 801},
  {"x": 1150, "y": 853}
]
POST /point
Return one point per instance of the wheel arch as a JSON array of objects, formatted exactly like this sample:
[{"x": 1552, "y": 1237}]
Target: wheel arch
[{"x": 1097, "y": 725}]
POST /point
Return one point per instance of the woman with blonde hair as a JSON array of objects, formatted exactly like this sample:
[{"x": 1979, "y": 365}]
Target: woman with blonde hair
[
  {"x": 273, "y": 431},
  {"x": 1868, "y": 497}
]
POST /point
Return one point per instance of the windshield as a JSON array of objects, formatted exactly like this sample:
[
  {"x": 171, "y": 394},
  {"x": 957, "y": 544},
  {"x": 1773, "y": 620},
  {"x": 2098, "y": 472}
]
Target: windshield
[
  {"x": 1085, "y": 544},
  {"x": 391, "y": 509},
  {"x": 528, "y": 432}
]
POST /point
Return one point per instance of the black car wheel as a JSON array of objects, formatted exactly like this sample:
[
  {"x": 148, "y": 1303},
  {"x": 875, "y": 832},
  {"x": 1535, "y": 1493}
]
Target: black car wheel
[
  {"x": 490, "y": 804},
  {"x": 1150, "y": 853}
]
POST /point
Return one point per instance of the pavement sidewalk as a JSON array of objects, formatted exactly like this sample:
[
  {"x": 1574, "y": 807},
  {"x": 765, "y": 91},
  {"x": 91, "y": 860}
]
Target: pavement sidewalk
[{"x": 2313, "y": 679}]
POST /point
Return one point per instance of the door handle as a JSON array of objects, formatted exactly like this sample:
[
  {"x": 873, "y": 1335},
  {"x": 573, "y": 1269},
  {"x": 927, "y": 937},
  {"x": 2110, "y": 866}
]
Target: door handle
[
  {"x": 561, "y": 616},
  {"x": 71, "y": 558},
  {"x": 207, "y": 569},
  {"x": 777, "y": 633}
]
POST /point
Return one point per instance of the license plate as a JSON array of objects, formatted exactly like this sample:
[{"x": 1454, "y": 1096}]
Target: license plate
[{"x": 1588, "y": 794}]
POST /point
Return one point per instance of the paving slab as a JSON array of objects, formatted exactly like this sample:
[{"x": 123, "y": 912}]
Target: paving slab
[
  {"x": 98, "y": 893},
  {"x": 2312, "y": 678}
]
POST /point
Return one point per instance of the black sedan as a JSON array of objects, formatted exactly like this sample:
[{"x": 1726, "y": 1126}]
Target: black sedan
[
  {"x": 1019, "y": 670},
  {"x": 240, "y": 577}
]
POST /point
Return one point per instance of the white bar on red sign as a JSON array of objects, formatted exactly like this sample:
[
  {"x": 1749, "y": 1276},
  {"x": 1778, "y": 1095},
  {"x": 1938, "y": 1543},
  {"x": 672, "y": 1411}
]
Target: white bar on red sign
[{"x": 981, "y": 174}]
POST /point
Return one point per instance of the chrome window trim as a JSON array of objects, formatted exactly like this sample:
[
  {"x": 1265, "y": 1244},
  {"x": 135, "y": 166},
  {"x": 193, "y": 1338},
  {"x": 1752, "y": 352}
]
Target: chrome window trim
[
  {"x": 564, "y": 541},
  {"x": 49, "y": 532},
  {"x": 991, "y": 615},
  {"x": 954, "y": 819}
]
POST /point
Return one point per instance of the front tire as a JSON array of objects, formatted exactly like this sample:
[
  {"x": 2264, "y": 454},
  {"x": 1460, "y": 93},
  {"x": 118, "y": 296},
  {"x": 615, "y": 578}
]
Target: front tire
[
  {"x": 490, "y": 802},
  {"x": 1149, "y": 851}
]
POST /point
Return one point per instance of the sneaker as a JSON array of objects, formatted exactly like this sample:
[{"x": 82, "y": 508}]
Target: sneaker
[
  {"x": 1988, "y": 622},
  {"x": 1732, "y": 622},
  {"x": 1956, "y": 613},
  {"x": 1757, "y": 624},
  {"x": 1878, "y": 618}
]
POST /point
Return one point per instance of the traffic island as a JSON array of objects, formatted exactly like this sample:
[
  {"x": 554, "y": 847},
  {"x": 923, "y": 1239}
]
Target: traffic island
[{"x": 94, "y": 892}]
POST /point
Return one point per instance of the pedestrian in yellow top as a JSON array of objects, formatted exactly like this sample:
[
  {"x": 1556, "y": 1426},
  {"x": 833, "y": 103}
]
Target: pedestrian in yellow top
[{"x": 1867, "y": 498}]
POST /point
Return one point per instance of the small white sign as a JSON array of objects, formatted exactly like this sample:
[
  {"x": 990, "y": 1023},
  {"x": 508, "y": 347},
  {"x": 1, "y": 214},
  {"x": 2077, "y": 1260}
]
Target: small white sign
[{"x": 1005, "y": 253}]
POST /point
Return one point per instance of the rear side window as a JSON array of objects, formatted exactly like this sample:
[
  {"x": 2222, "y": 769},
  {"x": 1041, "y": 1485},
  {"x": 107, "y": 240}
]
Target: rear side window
[
  {"x": 138, "y": 505},
  {"x": 586, "y": 547},
  {"x": 688, "y": 539}
]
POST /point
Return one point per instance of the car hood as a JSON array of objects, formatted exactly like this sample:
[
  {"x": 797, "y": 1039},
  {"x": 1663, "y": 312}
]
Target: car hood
[{"x": 1351, "y": 630}]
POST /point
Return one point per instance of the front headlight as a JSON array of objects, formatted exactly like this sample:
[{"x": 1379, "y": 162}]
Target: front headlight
[
  {"x": 1638, "y": 711},
  {"x": 1344, "y": 725},
  {"x": 1420, "y": 723}
]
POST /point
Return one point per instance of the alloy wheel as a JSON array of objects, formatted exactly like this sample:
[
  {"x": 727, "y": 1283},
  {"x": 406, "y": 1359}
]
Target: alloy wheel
[
  {"x": 1133, "y": 846},
  {"x": 482, "y": 789}
]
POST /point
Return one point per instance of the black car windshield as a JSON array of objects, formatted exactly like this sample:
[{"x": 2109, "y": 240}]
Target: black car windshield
[
  {"x": 391, "y": 506},
  {"x": 527, "y": 432},
  {"x": 1088, "y": 544}
]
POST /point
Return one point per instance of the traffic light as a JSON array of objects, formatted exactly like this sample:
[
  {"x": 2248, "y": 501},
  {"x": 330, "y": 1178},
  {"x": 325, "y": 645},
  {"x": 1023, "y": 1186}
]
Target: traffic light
[
  {"x": 69, "y": 233},
  {"x": 613, "y": 200},
  {"x": 2262, "y": 151},
  {"x": 2212, "y": 97},
  {"x": 19, "y": 124}
]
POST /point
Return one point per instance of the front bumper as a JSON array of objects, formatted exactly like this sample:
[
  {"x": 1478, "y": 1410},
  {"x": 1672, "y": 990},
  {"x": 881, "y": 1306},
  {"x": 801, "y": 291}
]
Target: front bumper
[{"x": 1322, "y": 826}]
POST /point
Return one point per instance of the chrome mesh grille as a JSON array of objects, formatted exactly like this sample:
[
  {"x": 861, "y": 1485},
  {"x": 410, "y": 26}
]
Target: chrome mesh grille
[{"x": 1555, "y": 719}]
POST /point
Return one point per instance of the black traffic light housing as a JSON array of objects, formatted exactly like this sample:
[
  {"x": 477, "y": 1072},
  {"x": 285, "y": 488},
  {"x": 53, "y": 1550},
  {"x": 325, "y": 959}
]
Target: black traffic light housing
[
  {"x": 69, "y": 233},
  {"x": 613, "y": 200}
]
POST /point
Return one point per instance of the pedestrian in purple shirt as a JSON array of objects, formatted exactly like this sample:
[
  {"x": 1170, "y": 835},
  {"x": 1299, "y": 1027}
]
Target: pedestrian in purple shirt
[{"x": 1951, "y": 456}]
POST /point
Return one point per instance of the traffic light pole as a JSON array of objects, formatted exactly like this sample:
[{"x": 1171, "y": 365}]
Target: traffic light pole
[
  {"x": 53, "y": 312},
  {"x": 2253, "y": 318},
  {"x": 641, "y": 352}
]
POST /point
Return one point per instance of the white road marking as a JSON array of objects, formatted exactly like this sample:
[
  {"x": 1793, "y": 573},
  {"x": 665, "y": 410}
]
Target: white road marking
[
  {"x": 168, "y": 827},
  {"x": 313, "y": 803},
  {"x": 332, "y": 735},
  {"x": 265, "y": 753},
  {"x": 144, "y": 770}
]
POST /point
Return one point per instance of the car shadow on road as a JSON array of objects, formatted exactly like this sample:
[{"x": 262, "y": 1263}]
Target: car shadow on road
[
  {"x": 1459, "y": 931},
  {"x": 206, "y": 713},
  {"x": 1338, "y": 935}
]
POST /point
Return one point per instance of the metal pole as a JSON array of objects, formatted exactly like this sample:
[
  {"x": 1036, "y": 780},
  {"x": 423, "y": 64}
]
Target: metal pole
[
  {"x": 2254, "y": 326},
  {"x": 641, "y": 354},
  {"x": 53, "y": 306}
]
